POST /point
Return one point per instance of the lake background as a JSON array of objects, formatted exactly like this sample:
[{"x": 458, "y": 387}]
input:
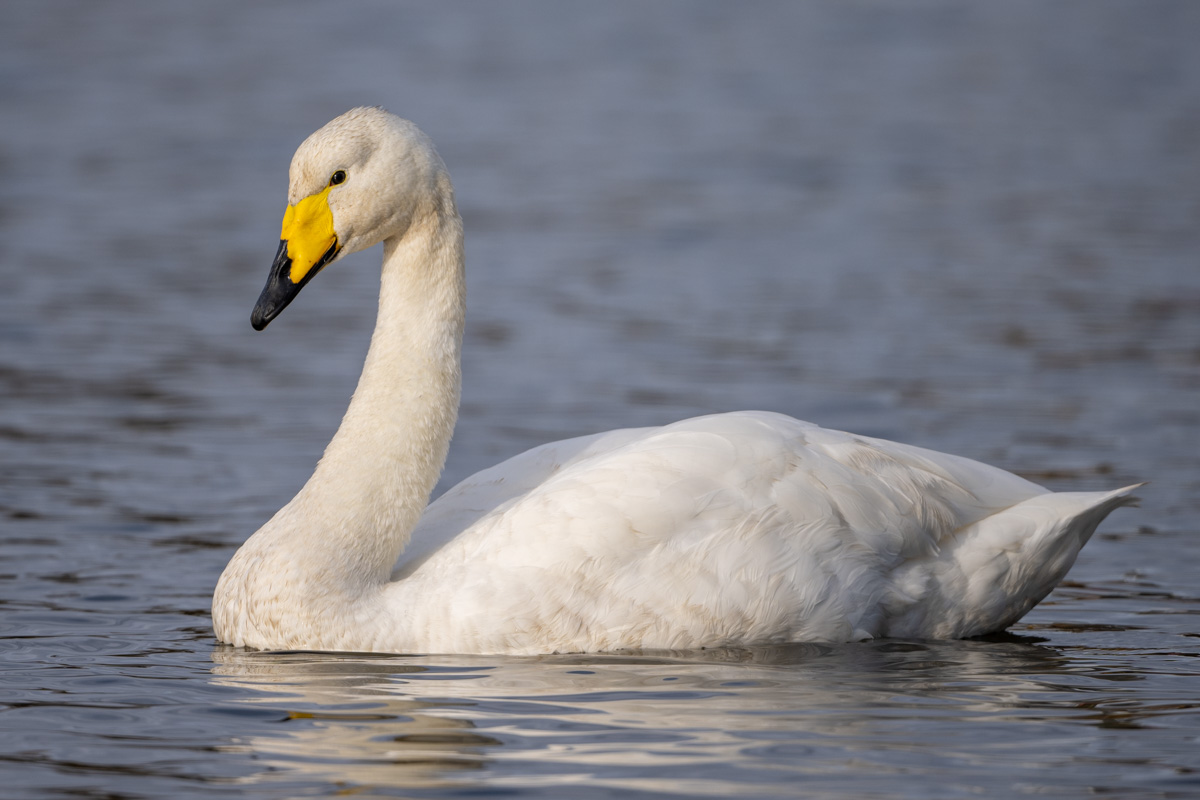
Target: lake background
[{"x": 970, "y": 227}]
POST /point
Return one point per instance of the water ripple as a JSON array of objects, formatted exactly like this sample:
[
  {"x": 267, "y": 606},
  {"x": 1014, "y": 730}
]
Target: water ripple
[{"x": 970, "y": 227}]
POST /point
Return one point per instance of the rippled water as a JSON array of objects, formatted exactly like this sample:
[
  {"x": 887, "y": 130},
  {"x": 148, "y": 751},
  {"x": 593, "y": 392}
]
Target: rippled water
[{"x": 973, "y": 228}]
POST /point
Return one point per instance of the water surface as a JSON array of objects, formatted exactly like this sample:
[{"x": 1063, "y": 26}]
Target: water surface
[{"x": 971, "y": 228}]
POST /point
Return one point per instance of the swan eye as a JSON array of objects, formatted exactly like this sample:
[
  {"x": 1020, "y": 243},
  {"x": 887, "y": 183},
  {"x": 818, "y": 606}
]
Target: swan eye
[{"x": 337, "y": 177}]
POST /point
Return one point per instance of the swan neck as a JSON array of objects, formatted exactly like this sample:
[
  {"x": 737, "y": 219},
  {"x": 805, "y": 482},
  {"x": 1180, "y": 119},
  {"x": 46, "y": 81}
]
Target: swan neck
[{"x": 378, "y": 471}]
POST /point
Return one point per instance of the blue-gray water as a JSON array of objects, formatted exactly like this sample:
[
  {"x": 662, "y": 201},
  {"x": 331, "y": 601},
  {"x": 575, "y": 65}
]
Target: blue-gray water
[{"x": 972, "y": 227}]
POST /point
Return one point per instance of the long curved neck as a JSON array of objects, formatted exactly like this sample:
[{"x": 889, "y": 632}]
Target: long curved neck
[{"x": 371, "y": 486}]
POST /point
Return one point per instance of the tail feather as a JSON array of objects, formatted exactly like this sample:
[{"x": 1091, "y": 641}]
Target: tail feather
[{"x": 1000, "y": 567}]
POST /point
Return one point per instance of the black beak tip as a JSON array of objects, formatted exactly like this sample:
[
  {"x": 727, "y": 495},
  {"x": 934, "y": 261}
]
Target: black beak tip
[
  {"x": 275, "y": 297},
  {"x": 280, "y": 290}
]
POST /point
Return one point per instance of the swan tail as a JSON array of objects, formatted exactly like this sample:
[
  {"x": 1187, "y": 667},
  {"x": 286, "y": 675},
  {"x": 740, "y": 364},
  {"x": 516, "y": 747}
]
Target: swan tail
[{"x": 991, "y": 573}]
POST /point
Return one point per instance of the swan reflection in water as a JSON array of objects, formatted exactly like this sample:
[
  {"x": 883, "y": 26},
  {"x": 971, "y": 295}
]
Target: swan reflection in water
[{"x": 694, "y": 723}]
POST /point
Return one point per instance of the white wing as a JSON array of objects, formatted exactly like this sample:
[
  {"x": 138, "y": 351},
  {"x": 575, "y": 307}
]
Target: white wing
[{"x": 744, "y": 527}]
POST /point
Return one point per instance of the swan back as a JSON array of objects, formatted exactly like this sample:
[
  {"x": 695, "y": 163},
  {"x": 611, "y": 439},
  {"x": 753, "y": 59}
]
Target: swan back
[{"x": 731, "y": 529}]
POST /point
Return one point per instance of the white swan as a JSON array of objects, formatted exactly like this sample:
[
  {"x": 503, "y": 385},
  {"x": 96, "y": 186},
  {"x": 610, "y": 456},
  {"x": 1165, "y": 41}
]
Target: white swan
[{"x": 731, "y": 529}]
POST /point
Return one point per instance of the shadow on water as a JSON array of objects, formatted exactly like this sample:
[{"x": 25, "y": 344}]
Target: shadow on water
[{"x": 712, "y": 717}]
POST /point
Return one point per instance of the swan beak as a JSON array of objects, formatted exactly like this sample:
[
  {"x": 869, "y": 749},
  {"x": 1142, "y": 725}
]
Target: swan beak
[{"x": 307, "y": 242}]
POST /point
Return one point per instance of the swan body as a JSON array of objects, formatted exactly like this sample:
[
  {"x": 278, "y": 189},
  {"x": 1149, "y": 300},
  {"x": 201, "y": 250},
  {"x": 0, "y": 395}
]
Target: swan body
[{"x": 732, "y": 529}]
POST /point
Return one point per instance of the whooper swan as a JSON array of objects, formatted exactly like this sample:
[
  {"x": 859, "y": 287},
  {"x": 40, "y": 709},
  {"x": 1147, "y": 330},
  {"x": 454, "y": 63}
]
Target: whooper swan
[{"x": 732, "y": 529}]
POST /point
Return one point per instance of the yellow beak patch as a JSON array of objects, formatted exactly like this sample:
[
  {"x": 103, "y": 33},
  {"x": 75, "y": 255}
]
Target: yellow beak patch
[{"x": 308, "y": 231}]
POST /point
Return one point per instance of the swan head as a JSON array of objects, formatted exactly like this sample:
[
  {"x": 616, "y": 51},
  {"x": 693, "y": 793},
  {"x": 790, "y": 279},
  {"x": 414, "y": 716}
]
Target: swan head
[{"x": 361, "y": 179}]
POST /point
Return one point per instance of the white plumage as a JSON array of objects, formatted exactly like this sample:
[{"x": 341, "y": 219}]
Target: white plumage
[{"x": 739, "y": 528}]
